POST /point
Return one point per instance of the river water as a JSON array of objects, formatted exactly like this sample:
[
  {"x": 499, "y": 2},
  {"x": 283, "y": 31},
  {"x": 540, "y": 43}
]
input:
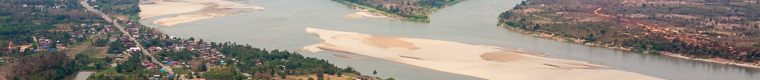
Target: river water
[{"x": 282, "y": 25}]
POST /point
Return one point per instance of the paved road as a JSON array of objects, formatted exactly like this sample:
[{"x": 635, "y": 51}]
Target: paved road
[
  {"x": 121, "y": 28},
  {"x": 83, "y": 75}
]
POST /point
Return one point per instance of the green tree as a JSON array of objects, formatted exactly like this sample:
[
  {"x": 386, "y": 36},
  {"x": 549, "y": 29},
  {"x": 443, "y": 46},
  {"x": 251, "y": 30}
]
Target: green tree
[
  {"x": 82, "y": 59},
  {"x": 130, "y": 65},
  {"x": 108, "y": 59},
  {"x": 374, "y": 72},
  {"x": 202, "y": 67},
  {"x": 116, "y": 47},
  {"x": 100, "y": 65},
  {"x": 101, "y": 42},
  {"x": 223, "y": 74},
  {"x": 320, "y": 76}
]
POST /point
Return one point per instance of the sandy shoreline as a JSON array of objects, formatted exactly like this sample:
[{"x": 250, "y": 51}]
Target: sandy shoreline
[
  {"x": 153, "y": 9},
  {"x": 486, "y": 62},
  {"x": 197, "y": 9},
  {"x": 713, "y": 60},
  {"x": 664, "y": 53},
  {"x": 363, "y": 13}
]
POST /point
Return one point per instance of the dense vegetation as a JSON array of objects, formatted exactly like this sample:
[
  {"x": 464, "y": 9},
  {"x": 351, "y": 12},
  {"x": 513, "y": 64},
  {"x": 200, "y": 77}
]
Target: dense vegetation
[
  {"x": 44, "y": 66},
  {"x": 415, "y": 10},
  {"x": 725, "y": 29},
  {"x": 127, "y": 8},
  {"x": 25, "y": 24},
  {"x": 267, "y": 64},
  {"x": 22, "y": 19}
]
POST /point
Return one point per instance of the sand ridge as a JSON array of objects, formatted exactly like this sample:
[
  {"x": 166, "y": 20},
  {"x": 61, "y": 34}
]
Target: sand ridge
[{"x": 488, "y": 62}]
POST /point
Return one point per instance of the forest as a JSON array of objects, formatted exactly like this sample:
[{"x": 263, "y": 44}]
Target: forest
[
  {"x": 413, "y": 10},
  {"x": 266, "y": 64},
  {"x": 726, "y": 29}
]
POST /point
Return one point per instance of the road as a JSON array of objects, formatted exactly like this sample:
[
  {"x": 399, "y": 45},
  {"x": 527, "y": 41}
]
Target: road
[{"x": 121, "y": 28}]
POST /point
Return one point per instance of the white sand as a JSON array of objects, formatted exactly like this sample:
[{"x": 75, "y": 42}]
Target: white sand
[
  {"x": 486, "y": 62},
  {"x": 167, "y": 8},
  {"x": 202, "y": 9},
  {"x": 365, "y": 14},
  {"x": 171, "y": 21}
]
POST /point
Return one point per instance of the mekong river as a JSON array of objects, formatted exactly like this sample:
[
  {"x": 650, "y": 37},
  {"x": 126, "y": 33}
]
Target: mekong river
[{"x": 282, "y": 25}]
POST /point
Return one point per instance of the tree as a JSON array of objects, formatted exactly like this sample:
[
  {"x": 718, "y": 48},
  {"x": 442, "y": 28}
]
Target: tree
[
  {"x": 82, "y": 59},
  {"x": 116, "y": 47},
  {"x": 374, "y": 72},
  {"x": 108, "y": 59},
  {"x": 202, "y": 67},
  {"x": 100, "y": 65},
  {"x": 130, "y": 65},
  {"x": 223, "y": 74},
  {"x": 320, "y": 76},
  {"x": 102, "y": 42},
  {"x": 590, "y": 38}
]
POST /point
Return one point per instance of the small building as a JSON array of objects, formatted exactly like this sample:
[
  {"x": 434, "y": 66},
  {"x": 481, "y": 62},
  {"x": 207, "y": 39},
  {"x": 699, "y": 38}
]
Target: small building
[{"x": 133, "y": 49}]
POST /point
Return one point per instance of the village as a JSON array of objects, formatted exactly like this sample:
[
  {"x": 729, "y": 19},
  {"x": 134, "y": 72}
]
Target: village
[{"x": 76, "y": 34}]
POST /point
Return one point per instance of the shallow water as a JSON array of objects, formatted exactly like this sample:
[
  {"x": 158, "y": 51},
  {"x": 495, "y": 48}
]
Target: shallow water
[{"x": 282, "y": 25}]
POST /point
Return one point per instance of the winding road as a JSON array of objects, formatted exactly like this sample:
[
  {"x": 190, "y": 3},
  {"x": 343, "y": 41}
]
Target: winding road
[{"x": 121, "y": 28}]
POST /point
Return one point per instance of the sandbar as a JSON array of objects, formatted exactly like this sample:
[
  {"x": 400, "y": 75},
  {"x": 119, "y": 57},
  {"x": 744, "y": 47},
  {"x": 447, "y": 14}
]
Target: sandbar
[{"x": 487, "y": 62}]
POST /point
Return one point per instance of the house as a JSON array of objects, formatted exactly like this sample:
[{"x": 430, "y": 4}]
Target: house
[
  {"x": 155, "y": 49},
  {"x": 133, "y": 49},
  {"x": 44, "y": 43},
  {"x": 149, "y": 64}
]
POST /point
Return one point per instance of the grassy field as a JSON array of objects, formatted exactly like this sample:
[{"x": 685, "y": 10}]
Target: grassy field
[{"x": 88, "y": 49}]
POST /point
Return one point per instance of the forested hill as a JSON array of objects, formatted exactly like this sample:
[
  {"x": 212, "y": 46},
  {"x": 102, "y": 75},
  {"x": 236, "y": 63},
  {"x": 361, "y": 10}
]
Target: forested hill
[
  {"x": 414, "y": 10},
  {"x": 723, "y": 30}
]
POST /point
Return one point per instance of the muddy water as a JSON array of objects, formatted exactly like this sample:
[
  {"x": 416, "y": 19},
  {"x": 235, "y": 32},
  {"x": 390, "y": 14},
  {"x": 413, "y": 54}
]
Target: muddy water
[{"x": 282, "y": 25}]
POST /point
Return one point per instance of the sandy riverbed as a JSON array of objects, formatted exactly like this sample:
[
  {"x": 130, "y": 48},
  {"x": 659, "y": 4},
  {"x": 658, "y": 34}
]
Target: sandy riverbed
[
  {"x": 486, "y": 62},
  {"x": 196, "y": 9},
  {"x": 365, "y": 14}
]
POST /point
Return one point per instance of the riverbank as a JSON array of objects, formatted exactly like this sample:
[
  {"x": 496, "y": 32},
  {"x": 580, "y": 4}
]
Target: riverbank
[
  {"x": 611, "y": 46},
  {"x": 619, "y": 25},
  {"x": 486, "y": 62},
  {"x": 364, "y": 13},
  {"x": 415, "y": 11},
  {"x": 195, "y": 9},
  {"x": 367, "y": 12}
]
